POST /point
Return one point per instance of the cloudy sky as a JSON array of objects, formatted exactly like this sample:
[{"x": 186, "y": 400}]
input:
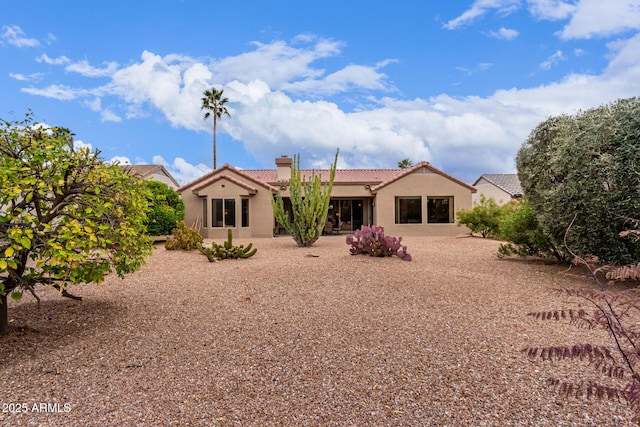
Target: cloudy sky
[{"x": 459, "y": 84}]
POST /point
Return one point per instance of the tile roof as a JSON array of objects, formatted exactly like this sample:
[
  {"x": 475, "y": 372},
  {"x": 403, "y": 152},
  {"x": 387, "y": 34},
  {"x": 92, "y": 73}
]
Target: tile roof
[
  {"x": 377, "y": 178},
  {"x": 143, "y": 171},
  {"x": 508, "y": 182},
  {"x": 345, "y": 176}
]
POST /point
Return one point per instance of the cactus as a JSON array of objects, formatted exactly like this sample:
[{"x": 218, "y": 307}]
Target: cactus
[
  {"x": 372, "y": 241},
  {"x": 227, "y": 250}
]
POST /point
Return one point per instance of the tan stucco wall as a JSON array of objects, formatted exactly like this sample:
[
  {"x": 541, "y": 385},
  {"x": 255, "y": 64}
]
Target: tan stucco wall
[
  {"x": 490, "y": 191},
  {"x": 423, "y": 183},
  {"x": 163, "y": 179},
  {"x": 260, "y": 213}
]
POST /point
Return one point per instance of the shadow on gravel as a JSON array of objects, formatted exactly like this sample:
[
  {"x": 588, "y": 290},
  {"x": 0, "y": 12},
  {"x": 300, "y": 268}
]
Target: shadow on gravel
[{"x": 59, "y": 322}]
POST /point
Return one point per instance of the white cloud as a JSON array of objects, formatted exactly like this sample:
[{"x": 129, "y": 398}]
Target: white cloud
[
  {"x": 60, "y": 92},
  {"x": 286, "y": 62},
  {"x": 350, "y": 77},
  {"x": 551, "y": 9},
  {"x": 553, "y": 60},
  {"x": 505, "y": 34},
  {"x": 480, "y": 8},
  {"x": 119, "y": 160},
  {"x": 181, "y": 170},
  {"x": 78, "y": 143},
  {"x": 15, "y": 36},
  {"x": 109, "y": 116},
  {"x": 61, "y": 60},
  {"x": 83, "y": 68},
  {"x": 33, "y": 77},
  {"x": 593, "y": 18}
]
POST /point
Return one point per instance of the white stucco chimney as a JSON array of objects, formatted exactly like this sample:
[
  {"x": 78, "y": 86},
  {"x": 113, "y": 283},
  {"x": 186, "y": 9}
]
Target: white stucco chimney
[{"x": 284, "y": 167}]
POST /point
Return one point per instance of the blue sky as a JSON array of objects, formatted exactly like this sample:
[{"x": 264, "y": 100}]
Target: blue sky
[{"x": 459, "y": 84}]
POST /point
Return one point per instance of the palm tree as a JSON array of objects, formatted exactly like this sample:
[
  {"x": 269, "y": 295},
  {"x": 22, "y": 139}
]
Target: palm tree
[
  {"x": 405, "y": 164},
  {"x": 214, "y": 103}
]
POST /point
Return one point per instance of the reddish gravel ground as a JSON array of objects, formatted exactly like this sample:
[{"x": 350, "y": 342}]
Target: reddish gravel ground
[{"x": 301, "y": 336}]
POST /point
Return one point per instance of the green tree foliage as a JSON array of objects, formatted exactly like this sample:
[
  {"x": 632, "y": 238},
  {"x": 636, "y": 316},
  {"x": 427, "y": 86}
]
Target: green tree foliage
[
  {"x": 309, "y": 202},
  {"x": 484, "y": 217},
  {"x": 405, "y": 164},
  {"x": 65, "y": 216},
  {"x": 166, "y": 208},
  {"x": 520, "y": 228},
  {"x": 586, "y": 165},
  {"x": 214, "y": 103}
]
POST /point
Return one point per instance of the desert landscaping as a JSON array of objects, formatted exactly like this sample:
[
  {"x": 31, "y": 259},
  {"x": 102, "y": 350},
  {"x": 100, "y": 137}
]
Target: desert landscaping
[{"x": 301, "y": 336}]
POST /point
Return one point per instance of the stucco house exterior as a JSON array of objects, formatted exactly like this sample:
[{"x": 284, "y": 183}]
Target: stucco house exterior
[
  {"x": 152, "y": 172},
  {"x": 421, "y": 200},
  {"x": 502, "y": 187}
]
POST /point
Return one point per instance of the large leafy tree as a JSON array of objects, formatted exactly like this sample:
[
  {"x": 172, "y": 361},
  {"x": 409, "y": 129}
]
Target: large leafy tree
[
  {"x": 166, "y": 208},
  {"x": 65, "y": 216},
  {"x": 214, "y": 103},
  {"x": 586, "y": 165},
  {"x": 309, "y": 204}
]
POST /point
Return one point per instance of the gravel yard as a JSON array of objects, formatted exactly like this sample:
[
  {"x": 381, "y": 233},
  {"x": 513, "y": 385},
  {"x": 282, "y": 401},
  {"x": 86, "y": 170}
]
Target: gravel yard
[{"x": 300, "y": 336}]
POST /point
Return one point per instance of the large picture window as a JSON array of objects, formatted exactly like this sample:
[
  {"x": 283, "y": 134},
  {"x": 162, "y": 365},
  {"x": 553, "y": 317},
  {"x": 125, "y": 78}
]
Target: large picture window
[
  {"x": 439, "y": 210},
  {"x": 408, "y": 210}
]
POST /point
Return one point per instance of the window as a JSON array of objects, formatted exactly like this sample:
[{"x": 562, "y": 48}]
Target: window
[
  {"x": 230, "y": 212},
  {"x": 408, "y": 210},
  {"x": 204, "y": 212},
  {"x": 223, "y": 217},
  {"x": 245, "y": 212},
  {"x": 216, "y": 213},
  {"x": 439, "y": 210}
]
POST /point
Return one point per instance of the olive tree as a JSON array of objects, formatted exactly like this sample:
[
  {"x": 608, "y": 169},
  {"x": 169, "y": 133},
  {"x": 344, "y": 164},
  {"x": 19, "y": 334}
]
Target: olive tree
[
  {"x": 66, "y": 217},
  {"x": 586, "y": 166},
  {"x": 309, "y": 203}
]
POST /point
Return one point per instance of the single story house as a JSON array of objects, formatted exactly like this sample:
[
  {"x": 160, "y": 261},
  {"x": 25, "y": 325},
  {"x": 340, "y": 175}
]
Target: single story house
[
  {"x": 502, "y": 187},
  {"x": 152, "y": 172},
  {"x": 420, "y": 200}
]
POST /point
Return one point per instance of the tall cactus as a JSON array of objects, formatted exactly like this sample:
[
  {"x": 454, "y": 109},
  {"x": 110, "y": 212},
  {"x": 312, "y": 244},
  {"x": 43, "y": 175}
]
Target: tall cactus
[{"x": 309, "y": 202}]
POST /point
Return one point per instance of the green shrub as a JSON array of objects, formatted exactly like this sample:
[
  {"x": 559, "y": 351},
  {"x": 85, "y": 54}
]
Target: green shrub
[
  {"x": 484, "y": 218},
  {"x": 184, "y": 238},
  {"x": 584, "y": 170},
  {"x": 166, "y": 209},
  {"x": 520, "y": 228}
]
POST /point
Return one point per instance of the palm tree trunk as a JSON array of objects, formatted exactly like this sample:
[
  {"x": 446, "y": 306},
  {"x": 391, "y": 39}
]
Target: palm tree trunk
[{"x": 214, "y": 142}]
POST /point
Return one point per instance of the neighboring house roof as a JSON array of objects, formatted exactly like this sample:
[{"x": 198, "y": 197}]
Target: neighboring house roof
[
  {"x": 507, "y": 182},
  {"x": 145, "y": 171},
  {"x": 377, "y": 178}
]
